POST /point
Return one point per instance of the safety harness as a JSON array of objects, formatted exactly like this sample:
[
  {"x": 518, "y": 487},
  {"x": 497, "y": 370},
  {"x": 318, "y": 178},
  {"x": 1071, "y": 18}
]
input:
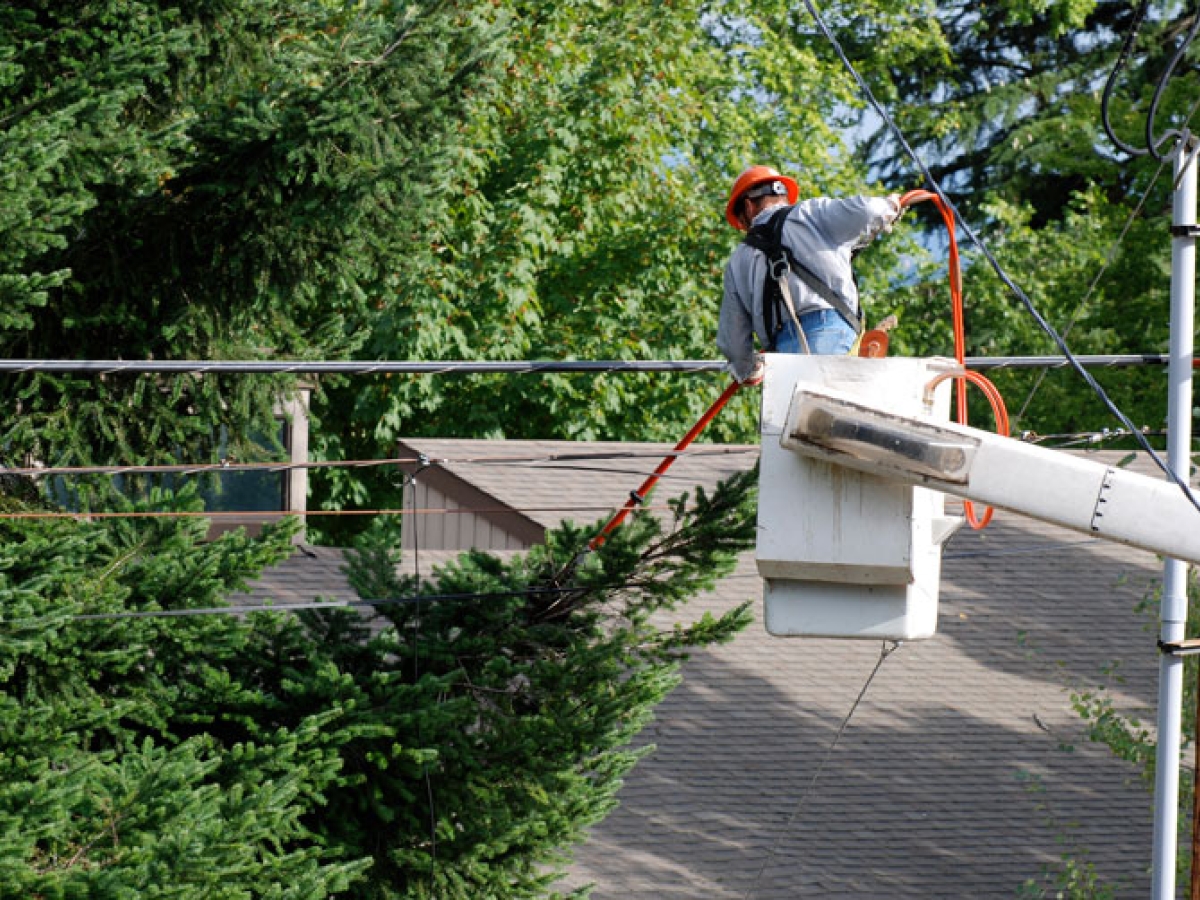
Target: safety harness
[{"x": 777, "y": 293}]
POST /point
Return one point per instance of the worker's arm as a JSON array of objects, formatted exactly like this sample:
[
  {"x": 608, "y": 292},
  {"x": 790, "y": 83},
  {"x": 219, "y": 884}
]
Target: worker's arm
[
  {"x": 735, "y": 330},
  {"x": 853, "y": 221}
]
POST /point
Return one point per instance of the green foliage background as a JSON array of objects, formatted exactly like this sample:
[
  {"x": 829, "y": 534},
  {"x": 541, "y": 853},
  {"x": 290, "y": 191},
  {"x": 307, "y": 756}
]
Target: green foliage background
[
  {"x": 503, "y": 180},
  {"x": 461, "y": 179}
]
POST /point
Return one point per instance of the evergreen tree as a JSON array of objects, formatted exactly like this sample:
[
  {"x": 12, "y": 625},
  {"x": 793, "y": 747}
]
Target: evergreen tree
[
  {"x": 208, "y": 180},
  {"x": 120, "y": 777},
  {"x": 512, "y": 693},
  {"x": 455, "y": 752}
]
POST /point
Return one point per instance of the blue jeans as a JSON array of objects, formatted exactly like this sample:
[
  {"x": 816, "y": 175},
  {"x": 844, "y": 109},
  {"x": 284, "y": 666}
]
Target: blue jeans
[{"x": 827, "y": 333}]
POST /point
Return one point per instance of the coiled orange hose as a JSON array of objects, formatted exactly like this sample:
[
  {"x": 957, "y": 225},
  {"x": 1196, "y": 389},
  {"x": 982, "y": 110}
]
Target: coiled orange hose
[{"x": 962, "y": 376}]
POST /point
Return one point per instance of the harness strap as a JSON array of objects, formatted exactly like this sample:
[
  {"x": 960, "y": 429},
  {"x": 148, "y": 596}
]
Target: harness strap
[
  {"x": 826, "y": 293},
  {"x": 785, "y": 291},
  {"x": 768, "y": 238}
]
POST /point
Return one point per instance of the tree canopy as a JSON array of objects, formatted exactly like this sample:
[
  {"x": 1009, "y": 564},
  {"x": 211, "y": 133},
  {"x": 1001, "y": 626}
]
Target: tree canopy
[
  {"x": 460, "y": 179},
  {"x": 508, "y": 181}
]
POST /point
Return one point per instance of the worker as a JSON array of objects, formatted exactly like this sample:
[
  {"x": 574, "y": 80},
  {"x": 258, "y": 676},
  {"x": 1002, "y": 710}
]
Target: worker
[{"x": 807, "y": 302}]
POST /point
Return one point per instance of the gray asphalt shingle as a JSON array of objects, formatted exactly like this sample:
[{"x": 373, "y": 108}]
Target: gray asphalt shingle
[{"x": 964, "y": 770}]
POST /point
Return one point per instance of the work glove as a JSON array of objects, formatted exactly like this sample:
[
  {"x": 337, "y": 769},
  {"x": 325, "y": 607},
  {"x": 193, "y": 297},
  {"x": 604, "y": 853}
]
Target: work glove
[
  {"x": 897, "y": 211},
  {"x": 755, "y": 377}
]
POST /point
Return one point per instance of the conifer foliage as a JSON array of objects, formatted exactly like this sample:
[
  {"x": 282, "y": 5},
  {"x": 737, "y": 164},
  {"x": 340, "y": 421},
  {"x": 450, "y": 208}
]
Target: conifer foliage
[
  {"x": 513, "y": 697},
  {"x": 134, "y": 761},
  {"x": 455, "y": 747},
  {"x": 219, "y": 179}
]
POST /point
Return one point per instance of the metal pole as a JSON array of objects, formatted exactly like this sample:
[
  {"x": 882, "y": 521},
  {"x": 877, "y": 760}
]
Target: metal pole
[
  {"x": 1173, "y": 618},
  {"x": 1194, "y": 894}
]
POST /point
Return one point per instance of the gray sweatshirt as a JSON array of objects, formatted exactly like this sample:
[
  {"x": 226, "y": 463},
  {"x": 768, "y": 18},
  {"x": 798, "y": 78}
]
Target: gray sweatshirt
[{"x": 822, "y": 233}]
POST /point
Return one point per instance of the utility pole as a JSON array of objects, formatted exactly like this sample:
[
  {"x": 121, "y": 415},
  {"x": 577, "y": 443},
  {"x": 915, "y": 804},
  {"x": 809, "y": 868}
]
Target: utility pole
[
  {"x": 1173, "y": 616},
  {"x": 850, "y": 428}
]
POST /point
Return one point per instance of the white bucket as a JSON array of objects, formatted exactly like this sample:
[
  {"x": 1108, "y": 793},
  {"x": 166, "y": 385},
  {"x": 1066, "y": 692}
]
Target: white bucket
[{"x": 843, "y": 553}]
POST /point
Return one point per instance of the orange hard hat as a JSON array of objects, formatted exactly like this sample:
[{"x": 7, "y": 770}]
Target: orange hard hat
[{"x": 753, "y": 176}]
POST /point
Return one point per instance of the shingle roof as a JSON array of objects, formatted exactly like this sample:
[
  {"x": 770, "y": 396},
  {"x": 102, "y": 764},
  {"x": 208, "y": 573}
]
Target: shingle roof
[
  {"x": 554, "y": 480},
  {"x": 951, "y": 779},
  {"x": 310, "y": 574},
  {"x": 962, "y": 773}
]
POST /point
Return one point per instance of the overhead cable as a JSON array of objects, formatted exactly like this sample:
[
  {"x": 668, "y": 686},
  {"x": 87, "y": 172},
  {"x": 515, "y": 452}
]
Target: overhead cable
[
  {"x": 1122, "y": 58},
  {"x": 1095, "y": 361},
  {"x": 1177, "y": 137},
  {"x": 484, "y": 367},
  {"x": 292, "y": 607},
  {"x": 356, "y": 367},
  {"x": 547, "y": 460},
  {"x": 309, "y": 513},
  {"x": 994, "y": 263},
  {"x": 289, "y": 607}
]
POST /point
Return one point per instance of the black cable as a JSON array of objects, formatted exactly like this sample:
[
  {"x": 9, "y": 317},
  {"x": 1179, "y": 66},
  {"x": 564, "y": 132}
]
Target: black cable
[
  {"x": 1122, "y": 58},
  {"x": 885, "y": 650},
  {"x": 460, "y": 367},
  {"x": 995, "y": 264},
  {"x": 1038, "y": 549},
  {"x": 1180, "y": 137},
  {"x": 470, "y": 596},
  {"x": 548, "y": 460},
  {"x": 287, "y": 607},
  {"x": 410, "y": 484}
]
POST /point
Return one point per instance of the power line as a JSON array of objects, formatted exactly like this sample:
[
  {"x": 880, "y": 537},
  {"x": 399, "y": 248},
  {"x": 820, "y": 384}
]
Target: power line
[
  {"x": 310, "y": 513},
  {"x": 483, "y": 367},
  {"x": 1004, "y": 277},
  {"x": 548, "y": 460},
  {"x": 200, "y": 468},
  {"x": 288, "y": 607},
  {"x": 1153, "y": 144},
  {"x": 1087, "y": 438},
  {"x": 1098, "y": 361},
  {"x": 355, "y": 367}
]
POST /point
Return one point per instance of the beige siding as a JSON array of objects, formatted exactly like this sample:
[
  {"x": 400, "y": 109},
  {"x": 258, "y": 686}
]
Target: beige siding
[{"x": 441, "y": 523}]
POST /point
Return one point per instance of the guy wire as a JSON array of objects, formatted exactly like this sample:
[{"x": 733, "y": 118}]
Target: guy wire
[
  {"x": 999, "y": 270},
  {"x": 886, "y": 649}
]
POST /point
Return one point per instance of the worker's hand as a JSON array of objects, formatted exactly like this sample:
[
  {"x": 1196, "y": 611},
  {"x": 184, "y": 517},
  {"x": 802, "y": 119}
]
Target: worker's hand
[
  {"x": 755, "y": 377},
  {"x": 897, "y": 210}
]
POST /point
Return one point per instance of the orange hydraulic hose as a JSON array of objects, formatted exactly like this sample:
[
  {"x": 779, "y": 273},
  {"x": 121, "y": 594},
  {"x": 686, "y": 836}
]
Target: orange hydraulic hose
[
  {"x": 960, "y": 340},
  {"x": 639, "y": 496}
]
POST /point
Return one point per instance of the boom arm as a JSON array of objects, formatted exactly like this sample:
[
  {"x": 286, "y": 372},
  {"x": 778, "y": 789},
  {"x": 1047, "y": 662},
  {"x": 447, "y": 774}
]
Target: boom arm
[{"x": 1056, "y": 487}]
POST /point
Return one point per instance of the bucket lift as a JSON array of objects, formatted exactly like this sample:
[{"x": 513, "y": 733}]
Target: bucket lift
[
  {"x": 856, "y": 456},
  {"x": 845, "y": 553}
]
